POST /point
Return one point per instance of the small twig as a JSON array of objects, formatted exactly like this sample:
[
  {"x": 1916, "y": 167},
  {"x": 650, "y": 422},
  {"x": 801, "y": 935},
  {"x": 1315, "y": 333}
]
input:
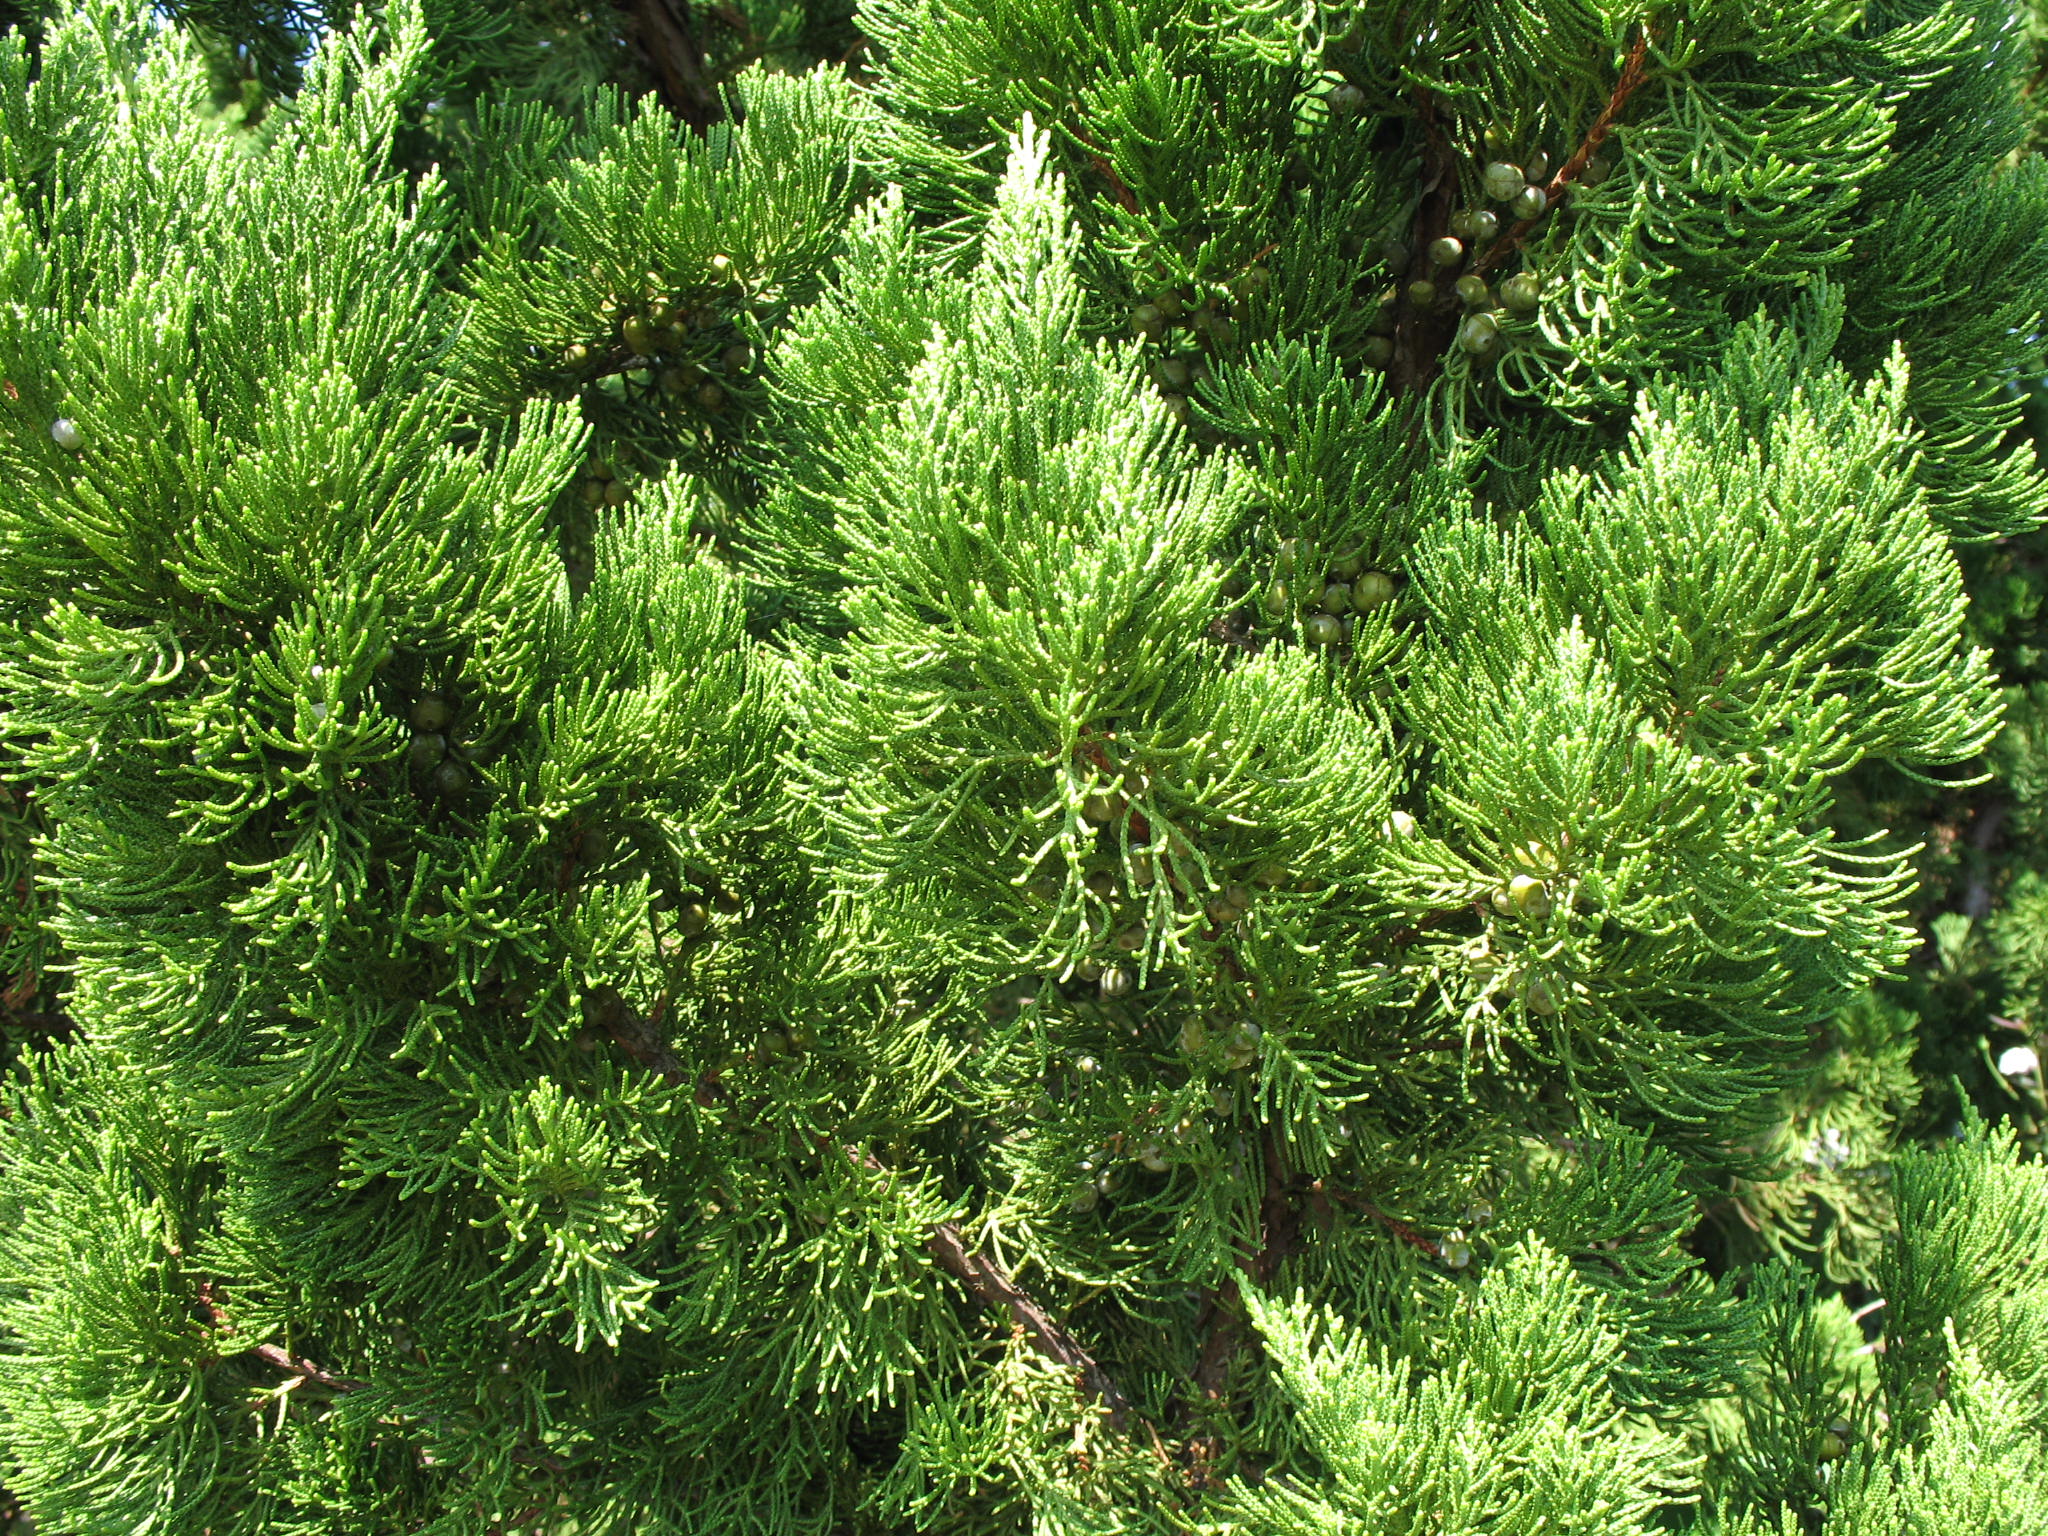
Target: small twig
[
  {"x": 849, "y": 62},
  {"x": 1217, "y": 1321},
  {"x": 271, "y": 1354},
  {"x": 1235, "y": 631},
  {"x": 1409, "y": 933},
  {"x": 1990, "y": 821},
  {"x": 1141, "y": 829},
  {"x": 24, "y": 986},
  {"x": 1624, "y": 87},
  {"x": 1126, "y": 199},
  {"x": 57, "y": 1026},
  {"x": 981, "y": 1275},
  {"x": 985, "y": 1278},
  {"x": 640, "y": 1038},
  {"x": 1393, "y": 1224},
  {"x": 554, "y": 1466},
  {"x": 565, "y": 877},
  {"x": 616, "y": 359},
  {"x": 994, "y": 1288}
]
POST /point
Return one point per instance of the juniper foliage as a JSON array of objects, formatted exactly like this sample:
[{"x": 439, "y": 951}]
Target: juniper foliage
[{"x": 1078, "y": 768}]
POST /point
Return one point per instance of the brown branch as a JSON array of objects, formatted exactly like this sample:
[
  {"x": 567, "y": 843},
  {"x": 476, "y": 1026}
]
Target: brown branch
[
  {"x": 28, "y": 983},
  {"x": 1410, "y": 933},
  {"x": 982, "y": 1276},
  {"x": 1234, "y": 629},
  {"x": 1280, "y": 1223},
  {"x": 1141, "y": 829},
  {"x": 271, "y": 1354},
  {"x": 994, "y": 1289},
  {"x": 1220, "y": 1321},
  {"x": 1568, "y": 173},
  {"x": 565, "y": 877},
  {"x": 1221, "y": 1317},
  {"x": 1393, "y": 1224},
  {"x": 1420, "y": 336},
  {"x": 640, "y": 1038},
  {"x": 1624, "y": 87},
  {"x": 57, "y": 1026},
  {"x": 1126, "y": 199},
  {"x": 677, "y": 58},
  {"x": 985, "y": 1278}
]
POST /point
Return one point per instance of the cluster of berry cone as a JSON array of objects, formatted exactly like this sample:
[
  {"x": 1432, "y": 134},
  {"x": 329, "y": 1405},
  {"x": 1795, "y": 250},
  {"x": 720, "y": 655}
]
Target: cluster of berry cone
[
  {"x": 431, "y": 754},
  {"x": 674, "y": 347},
  {"x": 1184, "y": 333},
  {"x": 1327, "y": 606},
  {"x": 1457, "y": 260}
]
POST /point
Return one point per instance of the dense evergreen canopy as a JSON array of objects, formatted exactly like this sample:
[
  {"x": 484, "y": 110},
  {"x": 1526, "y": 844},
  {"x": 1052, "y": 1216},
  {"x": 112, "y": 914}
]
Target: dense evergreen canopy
[{"x": 1057, "y": 766}]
